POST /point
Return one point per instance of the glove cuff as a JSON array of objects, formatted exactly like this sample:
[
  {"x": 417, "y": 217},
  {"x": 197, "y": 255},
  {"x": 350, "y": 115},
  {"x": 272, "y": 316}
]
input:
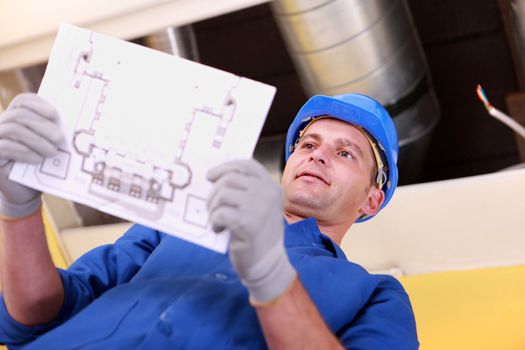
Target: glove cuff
[
  {"x": 271, "y": 277},
  {"x": 10, "y": 211}
]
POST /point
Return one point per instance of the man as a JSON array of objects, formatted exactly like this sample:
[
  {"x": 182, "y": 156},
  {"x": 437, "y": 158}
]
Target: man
[{"x": 284, "y": 284}]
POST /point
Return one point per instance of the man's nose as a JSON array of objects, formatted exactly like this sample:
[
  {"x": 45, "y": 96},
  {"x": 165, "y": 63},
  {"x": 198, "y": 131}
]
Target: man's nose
[{"x": 319, "y": 156}]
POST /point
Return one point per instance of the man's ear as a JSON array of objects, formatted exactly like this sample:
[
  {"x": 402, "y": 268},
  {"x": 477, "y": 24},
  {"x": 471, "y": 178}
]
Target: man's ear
[{"x": 373, "y": 202}]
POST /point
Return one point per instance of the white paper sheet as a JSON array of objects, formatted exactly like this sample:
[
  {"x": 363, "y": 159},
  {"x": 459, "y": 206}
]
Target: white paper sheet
[{"x": 142, "y": 129}]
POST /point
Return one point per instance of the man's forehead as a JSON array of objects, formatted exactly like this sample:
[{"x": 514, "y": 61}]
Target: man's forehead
[{"x": 345, "y": 133}]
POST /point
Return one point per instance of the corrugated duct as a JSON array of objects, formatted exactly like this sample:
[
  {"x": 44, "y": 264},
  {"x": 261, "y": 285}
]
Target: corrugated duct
[{"x": 366, "y": 46}]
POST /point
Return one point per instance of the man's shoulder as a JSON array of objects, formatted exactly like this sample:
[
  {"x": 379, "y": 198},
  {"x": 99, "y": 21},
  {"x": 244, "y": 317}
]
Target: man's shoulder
[
  {"x": 342, "y": 290},
  {"x": 345, "y": 278}
]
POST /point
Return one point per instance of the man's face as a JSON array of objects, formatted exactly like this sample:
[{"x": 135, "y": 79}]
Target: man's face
[{"x": 328, "y": 176}]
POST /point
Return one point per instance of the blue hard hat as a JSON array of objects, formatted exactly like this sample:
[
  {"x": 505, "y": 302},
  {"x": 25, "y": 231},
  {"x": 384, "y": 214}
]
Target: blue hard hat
[{"x": 359, "y": 110}]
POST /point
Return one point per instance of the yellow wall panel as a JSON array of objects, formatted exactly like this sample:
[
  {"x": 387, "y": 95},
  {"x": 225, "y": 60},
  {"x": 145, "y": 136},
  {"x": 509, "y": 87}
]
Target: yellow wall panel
[{"x": 480, "y": 309}]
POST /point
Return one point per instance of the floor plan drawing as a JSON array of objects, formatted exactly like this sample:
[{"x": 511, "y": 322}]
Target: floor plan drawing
[{"x": 142, "y": 129}]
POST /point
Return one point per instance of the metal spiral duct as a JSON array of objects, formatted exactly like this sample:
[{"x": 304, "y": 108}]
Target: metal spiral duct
[
  {"x": 366, "y": 46},
  {"x": 178, "y": 41}
]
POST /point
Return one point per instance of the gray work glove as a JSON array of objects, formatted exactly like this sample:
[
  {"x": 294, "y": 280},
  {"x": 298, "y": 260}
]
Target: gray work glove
[
  {"x": 29, "y": 131},
  {"x": 246, "y": 201}
]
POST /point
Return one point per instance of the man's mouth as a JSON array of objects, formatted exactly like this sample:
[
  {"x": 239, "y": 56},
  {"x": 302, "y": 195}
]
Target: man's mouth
[{"x": 314, "y": 174}]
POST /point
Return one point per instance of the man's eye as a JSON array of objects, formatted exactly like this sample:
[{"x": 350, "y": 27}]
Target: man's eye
[
  {"x": 308, "y": 146},
  {"x": 346, "y": 154}
]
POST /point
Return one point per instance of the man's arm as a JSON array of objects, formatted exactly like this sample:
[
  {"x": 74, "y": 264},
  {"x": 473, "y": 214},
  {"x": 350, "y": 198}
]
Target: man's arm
[
  {"x": 31, "y": 286},
  {"x": 293, "y": 322},
  {"x": 247, "y": 201},
  {"x": 32, "y": 289}
]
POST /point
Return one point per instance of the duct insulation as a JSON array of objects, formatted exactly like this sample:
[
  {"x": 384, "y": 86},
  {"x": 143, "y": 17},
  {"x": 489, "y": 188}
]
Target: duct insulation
[{"x": 370, "y": 47}]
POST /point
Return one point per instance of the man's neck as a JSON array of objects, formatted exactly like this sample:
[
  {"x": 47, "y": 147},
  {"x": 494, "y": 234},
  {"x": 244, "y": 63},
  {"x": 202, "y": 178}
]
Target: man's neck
[{"x": 335, "y": 231}]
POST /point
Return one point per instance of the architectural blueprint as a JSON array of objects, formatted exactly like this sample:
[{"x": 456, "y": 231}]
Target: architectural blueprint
[{"x": 142, "y": 129}]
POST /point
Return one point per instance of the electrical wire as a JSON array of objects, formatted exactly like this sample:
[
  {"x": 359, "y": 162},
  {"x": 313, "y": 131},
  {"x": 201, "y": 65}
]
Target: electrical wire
[{"x": 499, "y": 115}]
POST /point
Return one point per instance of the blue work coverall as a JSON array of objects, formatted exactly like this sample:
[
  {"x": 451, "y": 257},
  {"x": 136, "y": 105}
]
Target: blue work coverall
[{"x": 150, "y": 290}]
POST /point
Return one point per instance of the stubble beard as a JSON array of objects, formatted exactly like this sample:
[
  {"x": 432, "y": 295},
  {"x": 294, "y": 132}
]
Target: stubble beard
[{"x": 304, "y": 204}]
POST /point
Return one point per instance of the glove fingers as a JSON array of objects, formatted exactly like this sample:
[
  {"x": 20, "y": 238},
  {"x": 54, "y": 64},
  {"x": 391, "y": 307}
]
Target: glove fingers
[
  {"x": 17, "y": 133},
  {"x": 222, "y": 218},
  {"x": 220, "y": 170},
  {"x": 36, "y": 104},
  {"x": 231, "y": 181},
  {"x": 10, "y": 150},
  {"x": 229, "y": 197},
  {"x": 49, "y": 130}
]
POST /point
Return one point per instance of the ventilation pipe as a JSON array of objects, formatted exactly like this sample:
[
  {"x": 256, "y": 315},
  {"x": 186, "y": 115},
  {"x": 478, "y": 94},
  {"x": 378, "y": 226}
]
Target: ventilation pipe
[
  {"x": 178, "y": 41},
  {"x": 370, "y": 47}
]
